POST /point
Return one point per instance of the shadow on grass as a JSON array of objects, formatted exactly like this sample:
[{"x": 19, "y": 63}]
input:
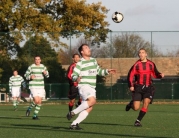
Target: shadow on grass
[
  {"x": 53, "y": 116},
  {"x": 66, "y": 129},
  {"x": 6, "y": 117},
  {"x": 105, "y": 124},
  {"x": 40, "y": 127},
  {"x": 108, "y": 124},
  {"x": 164, "y": 111}
]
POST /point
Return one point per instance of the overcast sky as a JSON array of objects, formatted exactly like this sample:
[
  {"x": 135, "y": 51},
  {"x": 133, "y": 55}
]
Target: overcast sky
[{"x": 143, "y": 15}]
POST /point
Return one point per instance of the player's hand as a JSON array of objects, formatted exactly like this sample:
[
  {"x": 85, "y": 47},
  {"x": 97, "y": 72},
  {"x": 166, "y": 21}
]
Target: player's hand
[
  {"x": 44, "y": 72},
  {"x": 32, "y": 77},
  {"x": 78, "y": 79},
  {"x": 112, "y": 71},
  {"x": 131, "y": 89},
  {"x": 162, "y": 75}
]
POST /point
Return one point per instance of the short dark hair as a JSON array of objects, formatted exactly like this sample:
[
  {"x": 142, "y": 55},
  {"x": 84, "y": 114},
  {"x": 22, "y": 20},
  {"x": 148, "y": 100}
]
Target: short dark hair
[
  {"x": 81, "y": 47},
  {"x": 36, "y": 56},
  {"x": 75, "y": 55},
  {"x": 14, "y": 70},
  {"x": 142, "y": 49}
]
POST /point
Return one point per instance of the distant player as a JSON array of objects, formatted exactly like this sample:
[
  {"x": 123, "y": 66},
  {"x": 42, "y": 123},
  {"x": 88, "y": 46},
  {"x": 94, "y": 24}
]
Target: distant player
[
  {"x": 85, "y": 74},
  {"x": 15, "y": 83},
  {"x": 35, "y": 74},
  {"x": 140, "y": 84},
  {"x": 73, "y": 92}
]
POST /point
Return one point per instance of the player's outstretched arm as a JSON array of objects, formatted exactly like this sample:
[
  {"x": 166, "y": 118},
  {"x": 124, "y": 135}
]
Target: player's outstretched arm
[{"x": 111, "y": 71}]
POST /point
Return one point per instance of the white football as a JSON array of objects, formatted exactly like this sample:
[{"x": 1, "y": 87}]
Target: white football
[{"x": 117, "y": 17}]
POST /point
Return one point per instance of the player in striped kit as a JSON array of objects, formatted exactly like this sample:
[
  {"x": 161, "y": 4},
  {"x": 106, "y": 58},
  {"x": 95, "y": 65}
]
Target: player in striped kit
[
  {"x": 140, "y": 84},
  {"x": 73, "y": 90},
  {"x": 85, "y": 74},
  {"x": 35, "y": 74},
  {"x": 15, "y": 83}
]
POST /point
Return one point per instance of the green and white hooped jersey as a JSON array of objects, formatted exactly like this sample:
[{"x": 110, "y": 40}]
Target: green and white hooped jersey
[
  {"x": 38, "y": 82},
  {"x": 15, "y": 81},
  {"x": 87, "y": 70}
]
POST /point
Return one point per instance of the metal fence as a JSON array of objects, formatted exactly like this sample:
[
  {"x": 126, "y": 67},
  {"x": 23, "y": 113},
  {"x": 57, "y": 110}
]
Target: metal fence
[
  {"x": 115, "y": 92},
  {"x": 164, "y": 41}
]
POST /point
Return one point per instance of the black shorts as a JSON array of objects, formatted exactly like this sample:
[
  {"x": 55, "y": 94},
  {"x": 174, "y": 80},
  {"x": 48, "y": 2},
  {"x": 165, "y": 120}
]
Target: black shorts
[
  {"x": 73, "y": 92},
  {"x": 142, "y": 91}
]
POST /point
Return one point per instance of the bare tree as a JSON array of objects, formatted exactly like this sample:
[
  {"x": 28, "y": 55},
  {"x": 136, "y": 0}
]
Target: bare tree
[{"x": 128, "y": 45}]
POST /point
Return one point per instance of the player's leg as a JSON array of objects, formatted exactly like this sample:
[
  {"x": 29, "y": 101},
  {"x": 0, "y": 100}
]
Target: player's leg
[
  {"x": 88, "y": 96},
  {"x": 142, "y": 112},
  {"x": 84, "y": 105},
  {"x": 130, "y": 104},
  {"x": 17, "y": 101},
  {"x": 72, "y": 95},
  {"x": 79, "y": 102},
  {"x": 39, "y": 94},
  {"x": 14, "y": 97},
  {"x": 71, "y": 104},
  {"x": 147, "y": 99},
  {"x": 79, "y": 99},
  {"x": 18, "y": 97},
  {"x": 30, "y": 108},
  {"x": 33, "y": 104},
  {"x": 135, "y": 102},
  {"x": 14, "y": 102},
  {"x": 137, "y": 98},
  {"x": 38, "y": 101},
  {"x": 82, "y": 116}
]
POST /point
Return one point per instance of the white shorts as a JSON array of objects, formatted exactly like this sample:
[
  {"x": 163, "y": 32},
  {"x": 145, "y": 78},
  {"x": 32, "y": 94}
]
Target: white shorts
[
  {"x": 86, "y": 91},
  {"x": 37, "y": 92},
  {"x": 16, "y": 92}
]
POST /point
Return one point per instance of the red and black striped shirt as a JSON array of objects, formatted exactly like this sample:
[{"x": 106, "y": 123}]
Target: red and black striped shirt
[
  {"x": 69, "y": 72},
  {"x": 142, "y": 73}
]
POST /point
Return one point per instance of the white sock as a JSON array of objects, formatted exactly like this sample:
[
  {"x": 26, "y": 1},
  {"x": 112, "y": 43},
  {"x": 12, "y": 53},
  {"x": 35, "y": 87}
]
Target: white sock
[
  {"x": 81, "y": 107},
  {"x": 80, "y": 117}
]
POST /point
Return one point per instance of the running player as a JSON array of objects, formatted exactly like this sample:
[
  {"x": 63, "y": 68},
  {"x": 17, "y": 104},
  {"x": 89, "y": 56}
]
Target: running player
[
  {"x": 35, "y": 74},
  {"x": 15, "y": 83},
  {"x": 141, "y": 87}
]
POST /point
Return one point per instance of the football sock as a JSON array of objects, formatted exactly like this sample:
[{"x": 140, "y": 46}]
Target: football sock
[
  {"x": 37, "y": 109},
  {"x": 141, "y": 114},
  {"x": 84, "y": 105},
  {"x": 80, "y": 117},
  {"x": 17, "y": 103},
  {"x": 31, "y": 106},
  {"x": 79, "y": 101},
  {"x": 70, "y": 105},
  {"x": 14, "y": 103}
]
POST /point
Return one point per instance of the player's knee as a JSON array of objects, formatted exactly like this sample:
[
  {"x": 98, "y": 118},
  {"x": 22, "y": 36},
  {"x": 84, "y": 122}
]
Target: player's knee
[
  {"x": 91, "y": 101},
  {"x": 135, "y": 108},
  {"x": 37, "y": 102}
]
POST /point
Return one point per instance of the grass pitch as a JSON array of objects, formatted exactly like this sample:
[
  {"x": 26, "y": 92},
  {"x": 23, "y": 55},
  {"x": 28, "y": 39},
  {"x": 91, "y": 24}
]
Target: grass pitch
[{"x": 105, "y": 121}]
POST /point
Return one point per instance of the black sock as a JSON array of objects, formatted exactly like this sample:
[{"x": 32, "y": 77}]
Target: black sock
[
  {"x": 79, "y": 102},
  {"x": 70, "y": 108},
  {"x": 131, "y": 102},
  {"x": 141, "y": 114}
]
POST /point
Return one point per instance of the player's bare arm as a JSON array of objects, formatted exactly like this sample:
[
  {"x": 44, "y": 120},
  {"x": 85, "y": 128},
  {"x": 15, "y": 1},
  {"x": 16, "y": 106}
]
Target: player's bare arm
[{"x": 112, "y": 71}]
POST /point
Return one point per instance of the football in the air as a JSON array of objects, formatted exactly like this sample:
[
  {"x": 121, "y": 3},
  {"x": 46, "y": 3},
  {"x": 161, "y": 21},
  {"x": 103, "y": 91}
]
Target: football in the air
[{"x": 117, "y": 17}]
